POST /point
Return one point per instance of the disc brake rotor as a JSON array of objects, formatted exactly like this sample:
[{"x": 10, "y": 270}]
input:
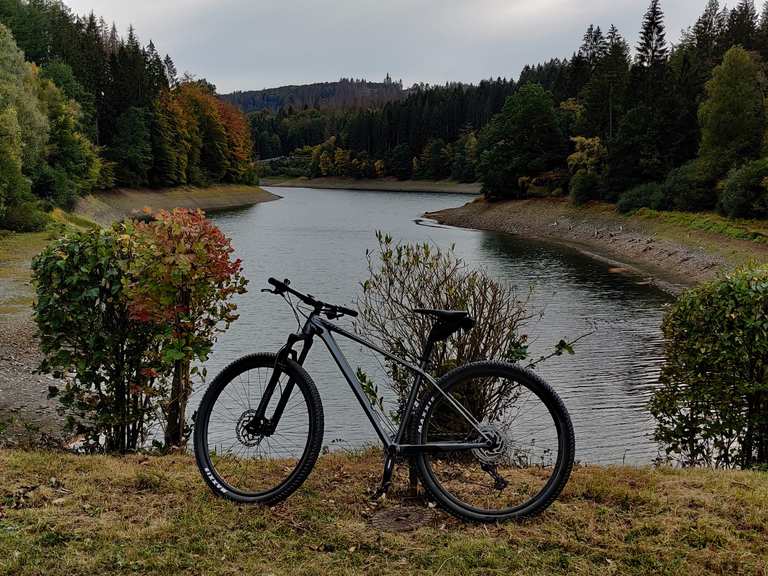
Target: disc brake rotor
[{"x": 245, "y": 437}]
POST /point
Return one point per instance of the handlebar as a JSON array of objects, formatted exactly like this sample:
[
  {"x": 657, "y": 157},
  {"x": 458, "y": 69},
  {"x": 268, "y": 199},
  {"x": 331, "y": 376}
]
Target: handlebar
[{"x": 332, "y": 310}]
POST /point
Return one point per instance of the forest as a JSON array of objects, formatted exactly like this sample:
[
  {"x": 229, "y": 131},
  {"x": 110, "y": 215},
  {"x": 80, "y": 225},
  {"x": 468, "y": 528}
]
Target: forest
[
  {"x": 346, "y": 93},
  {"x": 666, "y": 126},
  {"x": 661, "y": 125},
  {"x": 82, "y": 108}
]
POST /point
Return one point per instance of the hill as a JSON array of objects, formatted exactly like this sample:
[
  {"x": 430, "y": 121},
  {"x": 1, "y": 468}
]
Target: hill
[{"x": 346, "y": 93}]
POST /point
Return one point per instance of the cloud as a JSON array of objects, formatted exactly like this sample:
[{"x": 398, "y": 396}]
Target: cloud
[{"x": 248, "y": 44}]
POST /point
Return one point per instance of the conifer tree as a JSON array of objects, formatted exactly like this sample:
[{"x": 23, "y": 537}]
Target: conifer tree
[
  {"x": 707, "y": 34},
  {"x": 170, "y": 71},
  {"x": 742, "y": 25},
  {"x": 652, "y": 49}
]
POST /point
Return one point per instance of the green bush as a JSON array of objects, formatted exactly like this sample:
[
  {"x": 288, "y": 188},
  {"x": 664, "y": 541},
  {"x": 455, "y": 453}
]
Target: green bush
[
  {"x": 712, "y": 404},
  {"x": 745, "y": 191},
  {"x": 86, "y": 331},
  {"x": 584, "y": 187},
  {"x": 24, "y": 217},
  {"x": 691, "y": 187},
  {"x": 649, "y": 195},
  {"x": 123, "y": 312}
]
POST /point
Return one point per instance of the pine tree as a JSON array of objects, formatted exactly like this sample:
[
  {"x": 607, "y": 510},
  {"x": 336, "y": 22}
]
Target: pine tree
[
  {"x": 652, "y": 48},
  {"x": 594, "y": 46},
  {"x": 170, "y": 71},
  {"x": 131, "y": 148},
  {"x": 707, "y": 34},
  {"x": 604, "y": 97},
  {"x": 742, "y": 25}
]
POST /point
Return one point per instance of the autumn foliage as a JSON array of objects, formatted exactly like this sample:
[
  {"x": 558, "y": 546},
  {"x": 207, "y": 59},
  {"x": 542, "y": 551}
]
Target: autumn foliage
[{"x": 122, "y": 315}]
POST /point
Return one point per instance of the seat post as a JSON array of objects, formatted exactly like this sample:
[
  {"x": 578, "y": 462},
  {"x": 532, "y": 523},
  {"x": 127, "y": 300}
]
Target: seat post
[{"x": 428, "y": 348}]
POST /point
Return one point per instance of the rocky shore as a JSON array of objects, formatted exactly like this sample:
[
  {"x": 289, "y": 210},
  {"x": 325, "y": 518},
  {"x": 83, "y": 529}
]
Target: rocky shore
[{"x": 673, "y": 256}]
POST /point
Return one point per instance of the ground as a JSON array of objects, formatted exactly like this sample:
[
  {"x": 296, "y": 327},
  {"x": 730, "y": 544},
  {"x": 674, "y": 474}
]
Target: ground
[
  {"x": 69, "y": 515},
  {"x": 26, "y": 413}
]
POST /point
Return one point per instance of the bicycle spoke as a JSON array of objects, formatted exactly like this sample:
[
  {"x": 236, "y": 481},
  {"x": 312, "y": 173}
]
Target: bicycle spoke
[{"x": 248, "y": 461}]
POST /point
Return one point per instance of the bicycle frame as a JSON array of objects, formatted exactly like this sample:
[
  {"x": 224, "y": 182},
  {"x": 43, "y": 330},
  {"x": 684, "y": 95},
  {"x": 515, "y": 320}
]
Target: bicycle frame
[{"x": 316, "y": 326}]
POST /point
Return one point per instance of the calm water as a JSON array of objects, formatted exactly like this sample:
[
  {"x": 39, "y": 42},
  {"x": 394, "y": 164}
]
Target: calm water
[{"x": 318, "y": 239}]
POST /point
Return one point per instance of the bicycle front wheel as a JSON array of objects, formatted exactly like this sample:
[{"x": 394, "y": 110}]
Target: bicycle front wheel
[
  {"x": 244, "y": 463},
  {"x": 532, "y": 453}
]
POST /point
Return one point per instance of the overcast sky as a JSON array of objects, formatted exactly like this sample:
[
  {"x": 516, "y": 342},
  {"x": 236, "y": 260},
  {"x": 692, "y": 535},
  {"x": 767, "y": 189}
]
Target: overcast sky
[{"x": 253, "y": 44}]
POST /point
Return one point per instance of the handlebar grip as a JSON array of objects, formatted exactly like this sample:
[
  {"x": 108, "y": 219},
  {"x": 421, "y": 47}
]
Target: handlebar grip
[
  {"x": 347, "y": 311},
  {"x": 280, "y": 287}
]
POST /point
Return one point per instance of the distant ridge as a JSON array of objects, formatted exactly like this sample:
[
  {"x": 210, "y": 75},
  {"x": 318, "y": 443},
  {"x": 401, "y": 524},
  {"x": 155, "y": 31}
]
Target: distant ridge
[{"x": 346, "y": 93}]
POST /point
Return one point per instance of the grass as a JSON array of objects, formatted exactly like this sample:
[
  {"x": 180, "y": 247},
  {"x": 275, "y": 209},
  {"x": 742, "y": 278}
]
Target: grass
[
  {"x": 738, "y": 229},
  {"x": 17, "y": 249},
  {"x": 106, "y": 207},
  {"x": 16, "y": 253},
  {"x": 64, "y": 514}
]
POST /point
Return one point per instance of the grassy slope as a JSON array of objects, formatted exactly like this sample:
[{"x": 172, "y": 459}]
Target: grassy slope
[
  {"x": 106, "y": 207},
  {"x": 63, "y": 514}
]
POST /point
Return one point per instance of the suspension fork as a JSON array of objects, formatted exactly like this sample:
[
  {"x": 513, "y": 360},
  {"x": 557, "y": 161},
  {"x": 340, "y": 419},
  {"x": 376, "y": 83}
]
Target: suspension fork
[{"x": 259, "y": 423}]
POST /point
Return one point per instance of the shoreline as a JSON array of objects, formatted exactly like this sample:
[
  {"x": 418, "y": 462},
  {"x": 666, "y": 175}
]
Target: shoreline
[
  {"x": 112, "y": 205},
  {"x": 376, "y": 185},
  {"x": 672, "y": 256}
]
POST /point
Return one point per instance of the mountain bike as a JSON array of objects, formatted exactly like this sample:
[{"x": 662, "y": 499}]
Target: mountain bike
[{"x": 490, "y": 440}]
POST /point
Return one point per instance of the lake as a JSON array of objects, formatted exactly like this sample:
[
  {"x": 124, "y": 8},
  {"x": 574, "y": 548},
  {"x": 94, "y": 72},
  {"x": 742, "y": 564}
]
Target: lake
[{"x": 318, "y": 239}]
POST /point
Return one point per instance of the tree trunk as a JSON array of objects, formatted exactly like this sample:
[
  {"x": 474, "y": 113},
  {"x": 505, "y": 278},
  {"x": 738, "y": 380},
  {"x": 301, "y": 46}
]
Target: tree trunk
[{"x": 177, "y": 406}]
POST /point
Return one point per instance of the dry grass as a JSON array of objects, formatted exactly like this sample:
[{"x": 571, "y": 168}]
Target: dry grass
[
  {"x": 106, "y": 207},
  {"x": 16, "y": 253},
  {"x": 63, "y": 514}
]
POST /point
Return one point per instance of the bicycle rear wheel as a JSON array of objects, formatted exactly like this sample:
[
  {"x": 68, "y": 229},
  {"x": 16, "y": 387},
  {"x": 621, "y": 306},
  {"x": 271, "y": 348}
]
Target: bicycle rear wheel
[
  {"x": 253, "y": 467},
  {"x": 532, "y": 456}
]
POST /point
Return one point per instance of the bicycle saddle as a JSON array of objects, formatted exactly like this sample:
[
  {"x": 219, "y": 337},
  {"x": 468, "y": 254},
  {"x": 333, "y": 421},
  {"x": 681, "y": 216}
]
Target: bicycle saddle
[
  {"x": 452, "y": 315},
  {"x": 448, "y": 322}
]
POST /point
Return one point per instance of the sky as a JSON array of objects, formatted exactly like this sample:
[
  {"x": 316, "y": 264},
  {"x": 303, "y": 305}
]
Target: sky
[{"x": 254, "y": 44}]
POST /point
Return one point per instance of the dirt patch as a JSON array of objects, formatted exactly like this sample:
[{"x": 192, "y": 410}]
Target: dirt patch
[{"x": 674, "y": 256}]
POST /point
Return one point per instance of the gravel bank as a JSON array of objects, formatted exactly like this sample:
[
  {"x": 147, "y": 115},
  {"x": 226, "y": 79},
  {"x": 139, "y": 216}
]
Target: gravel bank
[
  {"x": 379, "y": 184},
  {"x": 674, "y": 258},
  {"x": 106, "y": 207},
  {"x": 27, "y": 416}
]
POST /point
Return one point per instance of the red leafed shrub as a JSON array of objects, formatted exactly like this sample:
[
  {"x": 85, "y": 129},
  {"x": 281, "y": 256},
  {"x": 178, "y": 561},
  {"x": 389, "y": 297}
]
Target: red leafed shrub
[
  {"x": 123, "y": 313},
  {"x": 182, "y": 280}
]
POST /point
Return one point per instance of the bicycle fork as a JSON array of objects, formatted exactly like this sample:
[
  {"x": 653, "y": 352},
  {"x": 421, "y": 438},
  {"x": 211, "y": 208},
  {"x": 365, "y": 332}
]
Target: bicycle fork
[{"x": 260, "y": 424}]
